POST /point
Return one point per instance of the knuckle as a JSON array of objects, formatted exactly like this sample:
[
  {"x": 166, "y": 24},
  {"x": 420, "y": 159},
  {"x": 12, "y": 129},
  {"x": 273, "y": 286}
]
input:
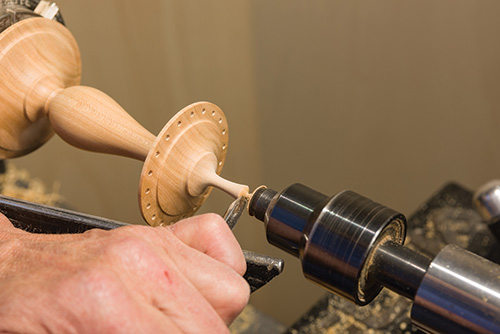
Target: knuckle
[
  {"x": 210, "y": 223},
  {"x": 126, "y": 247},
  {"x": 148, "y": 234},
  {"x": 128, "y": 242},
  {"x": 236, "y": 289},
  {"x": 220, "y": 242},
  {"x": 96, "y": 234},
  {"x": 216, "y": 227},
  {"x": 216, "y": 222},
  {"x": 238, "y": 262},
  {"x": 133, "y": 230},
  {"x": 236, "y": 296}
]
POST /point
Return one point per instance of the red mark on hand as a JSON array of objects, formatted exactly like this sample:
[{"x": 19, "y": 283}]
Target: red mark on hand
[{"x": 167, "y": 276}]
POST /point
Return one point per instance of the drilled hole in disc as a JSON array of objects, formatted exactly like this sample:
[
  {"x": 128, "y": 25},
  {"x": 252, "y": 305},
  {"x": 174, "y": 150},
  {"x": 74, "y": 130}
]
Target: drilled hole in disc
[{"x": 164, "y": 192}]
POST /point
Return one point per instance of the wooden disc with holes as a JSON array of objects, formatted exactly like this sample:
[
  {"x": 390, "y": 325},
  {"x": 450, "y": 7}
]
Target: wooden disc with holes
[
  {"x": 195, "y": 131},
  {"x": 32, "y": 50}
]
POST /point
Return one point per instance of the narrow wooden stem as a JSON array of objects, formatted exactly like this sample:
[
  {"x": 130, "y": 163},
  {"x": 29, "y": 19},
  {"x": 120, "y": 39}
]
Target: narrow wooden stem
[
  {"x": 203, "y": 174},
  {"x": 234, "y": 189}
]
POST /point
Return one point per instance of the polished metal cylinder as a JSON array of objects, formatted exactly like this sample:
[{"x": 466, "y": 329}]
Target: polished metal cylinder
[
  {"x": 460, "y": 293},
  {"x": 335, "y": 238},
  {"x": 399, "y": 268},
  {"x": 287, "y": 215},
  {"x": 341, "y": 243},
  {"x": 487, "y": 201}
]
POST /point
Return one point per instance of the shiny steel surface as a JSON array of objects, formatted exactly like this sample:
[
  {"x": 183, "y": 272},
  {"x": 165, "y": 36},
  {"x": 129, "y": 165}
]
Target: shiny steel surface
[
  {"x": 334, "y": 238},
  {"x": 460, "y": 293},
  {"x": 261, "y": 269},
  {"x": 399, "y": 268},
  {"x": 338, "y": 253},
  {"x": 288, "y": 214},
  {"x": 259, "y": 202},
  {"x": 487, "y": 200},
  {"x": 236, "y": 208},
  {"x": 352, "y": 246}
]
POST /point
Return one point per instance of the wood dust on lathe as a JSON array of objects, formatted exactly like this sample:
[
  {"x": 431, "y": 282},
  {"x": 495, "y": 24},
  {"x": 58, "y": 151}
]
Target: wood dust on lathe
[{"x": 18, "y": 183}]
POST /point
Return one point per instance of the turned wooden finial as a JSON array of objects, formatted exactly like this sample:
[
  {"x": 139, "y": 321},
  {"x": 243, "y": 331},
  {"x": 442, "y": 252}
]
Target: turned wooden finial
[
  {"x": 184, "y": 163},
  {"x": 39, "y": 75}
]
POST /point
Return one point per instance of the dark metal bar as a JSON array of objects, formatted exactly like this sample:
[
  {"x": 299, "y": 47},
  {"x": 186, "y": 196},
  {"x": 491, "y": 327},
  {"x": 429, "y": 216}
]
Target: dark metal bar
[
  {"x": 400, "y": 268},
  {"x": 38, "y": 218}
]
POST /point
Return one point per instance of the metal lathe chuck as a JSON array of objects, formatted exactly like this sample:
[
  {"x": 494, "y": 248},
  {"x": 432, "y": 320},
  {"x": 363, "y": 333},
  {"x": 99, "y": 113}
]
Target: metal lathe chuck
[{"x": 353, "y": 247}]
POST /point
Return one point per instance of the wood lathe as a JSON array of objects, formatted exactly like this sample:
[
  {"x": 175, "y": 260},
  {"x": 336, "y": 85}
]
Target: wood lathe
[{"x": 40, "y": 94}]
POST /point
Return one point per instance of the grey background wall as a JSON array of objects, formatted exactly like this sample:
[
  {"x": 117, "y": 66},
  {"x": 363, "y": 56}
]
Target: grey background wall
[{"x": 391, "y": 99}]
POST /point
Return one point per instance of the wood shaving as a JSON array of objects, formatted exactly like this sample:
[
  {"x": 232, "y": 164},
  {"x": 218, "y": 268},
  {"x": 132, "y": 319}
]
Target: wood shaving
[{"x": 18, "y": 183}]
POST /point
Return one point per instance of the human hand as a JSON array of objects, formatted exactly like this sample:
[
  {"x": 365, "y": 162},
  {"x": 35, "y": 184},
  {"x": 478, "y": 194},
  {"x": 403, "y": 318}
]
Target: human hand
[{"x": 186, "y": 278}]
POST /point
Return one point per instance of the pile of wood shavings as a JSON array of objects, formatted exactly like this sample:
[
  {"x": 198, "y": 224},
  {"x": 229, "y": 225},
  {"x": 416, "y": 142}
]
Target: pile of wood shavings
[
  {"x": 18, "y": 183},
  {"x": 244, "y": 321},
  {"x": 252, "y": 321}
]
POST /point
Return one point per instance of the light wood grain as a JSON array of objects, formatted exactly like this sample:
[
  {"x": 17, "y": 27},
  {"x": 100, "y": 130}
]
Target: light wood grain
[
  {"x": 188, "y": 152},
  {"x": 91, "y": 120},
  {"x": 181, "y": 164},
  {"x": 32, "y": 51},
  {"x": 203, "y": 174}
]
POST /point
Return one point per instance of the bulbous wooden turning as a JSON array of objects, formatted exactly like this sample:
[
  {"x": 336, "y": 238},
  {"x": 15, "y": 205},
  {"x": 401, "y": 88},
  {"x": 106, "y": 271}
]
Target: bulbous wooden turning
[
  {"x": 91, "y": 120},
  {"x": 37, "y": 56},
  {"x": 39, "y": 76}
]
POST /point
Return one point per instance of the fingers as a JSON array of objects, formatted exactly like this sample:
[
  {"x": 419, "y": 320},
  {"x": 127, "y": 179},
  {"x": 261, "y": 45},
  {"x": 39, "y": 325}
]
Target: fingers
[
  {"x": 147, "y": 319},
  {"x": 186, "y": 305},
  {"x": 154, "y": 260},
  {"x": 132, "y": 271},
  {"x": 186, "y": 279},
  {"x": 211, "y": 235},
  {"x": 220, "y": 285},
  {"x": 109, "y": 298},
  {"x": 209, "y": 257},
  {"x": 150, "y": 319}
]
